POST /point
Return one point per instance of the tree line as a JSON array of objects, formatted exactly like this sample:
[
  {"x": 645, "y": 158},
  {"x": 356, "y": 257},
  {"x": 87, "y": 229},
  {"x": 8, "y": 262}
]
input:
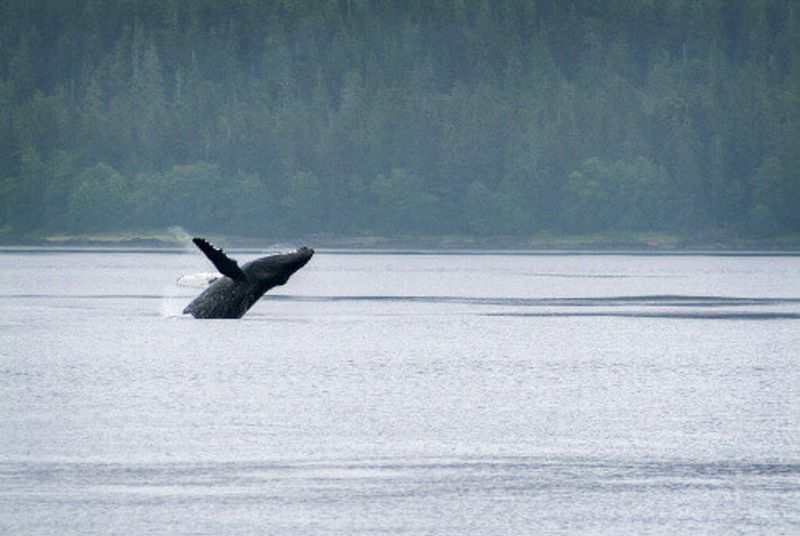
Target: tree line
[{"x": 417, "y": 117}]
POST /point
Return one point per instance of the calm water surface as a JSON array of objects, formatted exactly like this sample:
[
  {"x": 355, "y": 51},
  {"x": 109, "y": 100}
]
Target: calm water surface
[{"x": 402, "y": 394}]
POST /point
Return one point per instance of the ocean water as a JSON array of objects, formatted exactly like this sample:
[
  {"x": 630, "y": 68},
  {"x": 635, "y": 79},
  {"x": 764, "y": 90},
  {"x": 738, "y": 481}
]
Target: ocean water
[{"x": 402, "y": 394}]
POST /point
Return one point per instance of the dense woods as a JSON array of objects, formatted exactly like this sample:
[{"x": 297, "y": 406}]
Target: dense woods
[{"x": 418, "y": 117}]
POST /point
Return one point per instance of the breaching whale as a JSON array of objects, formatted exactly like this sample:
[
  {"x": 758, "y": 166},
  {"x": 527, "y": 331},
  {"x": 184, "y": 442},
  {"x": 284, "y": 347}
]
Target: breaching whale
[{"x": 232, "y": 295}]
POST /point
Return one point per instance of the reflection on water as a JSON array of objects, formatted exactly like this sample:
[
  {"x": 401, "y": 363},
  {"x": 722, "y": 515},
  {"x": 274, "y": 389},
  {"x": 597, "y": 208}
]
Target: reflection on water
[
  {"x": 474, "y": 495},
  {"x": 512, "y": 494},
  {"x": 663, "y": 314},
  {"x": 465, "y": 394},
  {"x": 559, "y": 306}
]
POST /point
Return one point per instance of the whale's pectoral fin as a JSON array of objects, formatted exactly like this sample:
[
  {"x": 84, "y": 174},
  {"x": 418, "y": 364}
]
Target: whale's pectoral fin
[{"x": 222, "y": 262}]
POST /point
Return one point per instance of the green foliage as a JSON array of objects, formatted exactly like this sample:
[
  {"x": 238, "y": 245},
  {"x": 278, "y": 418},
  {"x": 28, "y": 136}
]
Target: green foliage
[
  {"x": 23, "y": 194},
  {"x": 479, "y": 209},
  {"x": 99, "y": 200},
  {"x": 762, "y": 222},
  {"x": 587, "y": 203},
  {"x": 400, "y": 118},
  {"x": 622, "y": 196},
  {"x": 59, "y": 172},
  {"x": 775, "y": 195},
  {"x": 401, "y": 205},
  {"x": 252, "y": 206},
  {"x": 303, "y": 203},
  {"x": 200, "y": 197}
]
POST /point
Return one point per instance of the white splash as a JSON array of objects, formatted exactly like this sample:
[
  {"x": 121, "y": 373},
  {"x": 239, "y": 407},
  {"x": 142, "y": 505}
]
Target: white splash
[
  {"x": 172, "y": 303},
  {"x": 181, "y": 236},
  {"x": 201, "y": 280}
]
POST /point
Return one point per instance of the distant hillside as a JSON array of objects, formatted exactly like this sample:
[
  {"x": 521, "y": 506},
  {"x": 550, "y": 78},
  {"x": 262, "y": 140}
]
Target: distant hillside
[{"x": 400, "y": 118}]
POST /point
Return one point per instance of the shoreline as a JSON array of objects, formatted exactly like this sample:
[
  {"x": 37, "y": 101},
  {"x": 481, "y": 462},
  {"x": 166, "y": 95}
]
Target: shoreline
[{"x": 549, "y": 245}]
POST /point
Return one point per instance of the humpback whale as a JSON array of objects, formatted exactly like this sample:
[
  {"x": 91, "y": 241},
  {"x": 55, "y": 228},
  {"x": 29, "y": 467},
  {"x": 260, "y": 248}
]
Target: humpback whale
[{"x": 240, "y": 287}]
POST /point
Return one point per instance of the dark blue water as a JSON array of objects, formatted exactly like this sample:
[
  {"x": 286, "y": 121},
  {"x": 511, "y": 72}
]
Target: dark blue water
[{"x": 403, "y": 394}]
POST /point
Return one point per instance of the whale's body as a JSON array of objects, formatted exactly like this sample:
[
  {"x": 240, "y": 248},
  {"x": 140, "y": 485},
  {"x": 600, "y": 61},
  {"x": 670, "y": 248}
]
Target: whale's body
[{"x": 232, "y": 295}]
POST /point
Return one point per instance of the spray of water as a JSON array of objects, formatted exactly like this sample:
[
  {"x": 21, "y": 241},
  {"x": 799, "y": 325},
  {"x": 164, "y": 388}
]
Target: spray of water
[
  {"x": 172, "y": 302},
  {"x": 181, "y": 236},
  {"x": 201, "y": 280}
]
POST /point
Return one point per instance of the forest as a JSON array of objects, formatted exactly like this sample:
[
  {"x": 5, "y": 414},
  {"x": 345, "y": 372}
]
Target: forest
[{"x": 400, "y": 118}]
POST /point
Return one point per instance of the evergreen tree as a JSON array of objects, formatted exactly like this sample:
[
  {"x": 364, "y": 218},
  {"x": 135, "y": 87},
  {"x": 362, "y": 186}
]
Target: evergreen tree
[{"x": 396, "y": 117}]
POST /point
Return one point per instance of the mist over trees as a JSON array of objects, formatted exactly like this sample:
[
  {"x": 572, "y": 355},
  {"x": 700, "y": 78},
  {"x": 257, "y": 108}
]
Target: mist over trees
[{"x": 417, "y": 117}]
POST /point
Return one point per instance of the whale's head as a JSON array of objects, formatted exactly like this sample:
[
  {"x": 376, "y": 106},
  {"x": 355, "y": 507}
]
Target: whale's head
[
  {"x": 277, "y": 269},
  {"x": 294, "y": 260}
]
